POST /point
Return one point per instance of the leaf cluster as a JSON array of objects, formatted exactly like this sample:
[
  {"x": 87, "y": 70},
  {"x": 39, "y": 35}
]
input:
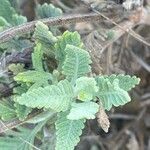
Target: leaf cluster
[{"x": 69, "y": 90}]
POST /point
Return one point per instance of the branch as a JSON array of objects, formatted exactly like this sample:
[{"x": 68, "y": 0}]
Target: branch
[
  {"x": 29, "y": 27},
  {"x": 5, "y": 126}
]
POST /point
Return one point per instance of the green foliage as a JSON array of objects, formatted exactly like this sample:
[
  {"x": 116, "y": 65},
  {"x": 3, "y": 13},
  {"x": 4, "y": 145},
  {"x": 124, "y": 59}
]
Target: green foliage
[
  {"x": 86, "y": 110},
  {"x": 43, "y": 35},
  {"x": 126, "y": 82},
  {"x": 48, "y": 10},
  {"x": 86, "y": 88},
  {"x": 16, "y": 68},
  {"x": 66, "y": 90},
  {"x": 37, "y": 57},
  {"x": 18, "y": 20},
  {"x": 57, "y": 97},
  {"x": 38, "y": 76},
  {"x": 33, "y": 76},
  {"x": 67, "y": 132},
  {"x": 23, "y": 139},
  {"x": 16, "y": 44},
  {"x": 6, "y": 11},
  {"x": 3, "y": 23},
  {"x": 76, "y": 62},
  {"x": 7, "y": 110},
  {"x": 71, "y": 38},
  {"x": 22, "y": 111},
  {"x": 111, "y": 94}
]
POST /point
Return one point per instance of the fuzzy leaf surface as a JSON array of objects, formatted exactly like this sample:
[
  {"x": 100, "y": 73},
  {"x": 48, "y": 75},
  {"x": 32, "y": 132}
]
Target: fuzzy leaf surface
[
  {"x": 57, "y": 97},
  {"x": 19, "y": 140},
  {"x": 48, "y": 10},
  {"x": 67, "y": 132},
  {"x": 37, "y": 57},
  {"x": 7, "y": 111},
  {"x": 22, "y": 111},
  {"x": 6, "y": 10},
  {"x": 76, "y": 63},
  {"x": 86, "y": 88},
  {"x": 43, "y": 35},
  {"x": 126, "y": 82},
  {"x": 86, "y": 110},
  {"x": 33, "y": 76},
  {"x": 18, "y": 19},
  {"x": 110, "y": 94},
  {"x": 72, "y": 38}
]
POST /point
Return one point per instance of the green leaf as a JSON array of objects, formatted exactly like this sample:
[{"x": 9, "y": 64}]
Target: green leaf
[
  {"x": 6, "y": 11},
  {"x": 22, "y": 111},
  {"x": 16, "y": 44},
  {"x": 48, "y": 10},
  {"x": 7, "y": 110},
  {"x": 22, "y": 88},
  {"x": 57, "y": 97},
  {"x": 67, "y": 132},
  {"x": 43, "y": 35},
  {"x": 110, "y": 94},
  {"x": 86, "y": 110},
  {"x": 23, "y": 139},
  {"x": 16, "y": 68},
  {"x": 18, "y": 19},
  {"x": 37, "y": 57},
  {"x": 85, "y": 88},
  {"x": 76, "y": 63},
  {"x": 126, "y": 82},
  {"x": 72, "y": 38},
  {"x": 3, "y": 24},
  {"x": 33, "y": 76}
]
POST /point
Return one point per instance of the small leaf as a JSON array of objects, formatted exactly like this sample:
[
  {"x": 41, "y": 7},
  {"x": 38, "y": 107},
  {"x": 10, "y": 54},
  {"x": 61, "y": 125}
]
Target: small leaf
[
  {"x": 43, "y": 35},
  {"x": 76, "y": 63},
  {"x": 85, "y": 88},
  {"x": 67, "y": 132},
  {"x": 3, "y": 24},
  {"x": 6, "y": 11},
  {"x": 111, "y": 94},
  {"x": 48, "y": 10},
  {"x": 7, "y": 111},
  {"x": 22, "y": 111},
  {"x": 126, "y": 82},
  {"x": 37, "y": 57},
  {"x": 86, "y": 110},
  {"x": 57, "y": 97},
  {"x": 18, "y": 19},
  {"x": 72, "y": 38},
  {"x": 33, "y": 76},
  {"x": 16, "y": 68}
]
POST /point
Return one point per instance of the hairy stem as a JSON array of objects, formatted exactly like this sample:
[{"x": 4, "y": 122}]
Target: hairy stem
[{"x": 29, "y": 27}]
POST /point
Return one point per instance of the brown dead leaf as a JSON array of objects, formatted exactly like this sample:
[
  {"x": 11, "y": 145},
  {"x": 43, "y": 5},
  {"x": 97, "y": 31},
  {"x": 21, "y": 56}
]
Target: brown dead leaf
[{"x": 102, "y": 119}]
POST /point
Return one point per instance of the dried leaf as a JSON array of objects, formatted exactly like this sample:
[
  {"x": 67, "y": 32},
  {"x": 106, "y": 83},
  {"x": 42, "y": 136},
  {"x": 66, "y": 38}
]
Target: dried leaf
[{"x": 102, "y": 119}]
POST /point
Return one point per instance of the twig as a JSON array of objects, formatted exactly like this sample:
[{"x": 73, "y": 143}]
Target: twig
[
  {"x": 122, "y": 116},
  {"x": 29, "y": 27},
  {"x": 127, "y": 30},
  {"x": 145, "y": 103},
  {"x": 5, "y": 126},
  {"x": 140, "y": 61}
]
